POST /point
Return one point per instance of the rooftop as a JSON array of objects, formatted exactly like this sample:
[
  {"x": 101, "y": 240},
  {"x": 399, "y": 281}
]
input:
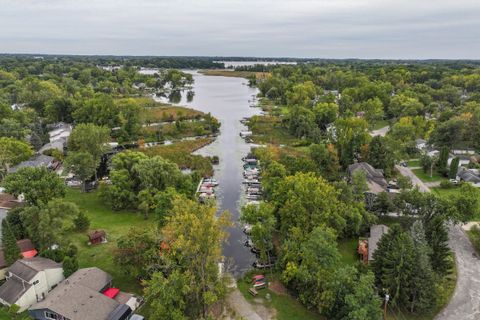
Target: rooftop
[
  {"x": 376, "y": 233},
  {"x": 26, "y": 269}
]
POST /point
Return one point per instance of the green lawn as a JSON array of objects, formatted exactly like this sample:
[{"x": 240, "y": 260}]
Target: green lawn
[
  {"x": 348, "y": 251},
  {"x": 425, "y": 177},
  {"x": 115, "y": 225},
  {"x": 413, "y": 163},
  {"x": 286, "y": 306},
  {"x": 379, "y": 124}
]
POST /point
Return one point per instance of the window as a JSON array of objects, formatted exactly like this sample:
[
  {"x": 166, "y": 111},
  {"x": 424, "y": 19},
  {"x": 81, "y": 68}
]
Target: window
[
  {"x": 36, "y": 282},
  {"x": 51, "y": 315}
]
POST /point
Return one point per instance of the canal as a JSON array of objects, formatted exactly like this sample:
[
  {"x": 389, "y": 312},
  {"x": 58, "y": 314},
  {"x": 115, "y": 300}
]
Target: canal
[{"x": 227, "y": 99}]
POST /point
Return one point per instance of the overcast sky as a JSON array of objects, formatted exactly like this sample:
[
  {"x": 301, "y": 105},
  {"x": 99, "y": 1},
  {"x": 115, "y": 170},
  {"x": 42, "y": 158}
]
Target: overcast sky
[{"x": 275, "y": 28}]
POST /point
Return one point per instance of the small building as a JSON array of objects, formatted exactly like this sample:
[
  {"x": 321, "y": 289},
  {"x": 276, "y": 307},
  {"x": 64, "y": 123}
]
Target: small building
[
  {"x": 86, "y": 295},
  {"x": 366, "y": 247},
  {"x": 29, "y": 281},
  {"x": 97, "y": 237}
]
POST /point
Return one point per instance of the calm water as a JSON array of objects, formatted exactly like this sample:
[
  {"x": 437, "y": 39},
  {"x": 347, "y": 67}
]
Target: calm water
[{"x": 227, "y": 99}]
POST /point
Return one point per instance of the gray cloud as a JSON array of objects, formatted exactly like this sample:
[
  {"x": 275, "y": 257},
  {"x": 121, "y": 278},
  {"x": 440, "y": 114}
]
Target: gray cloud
[{"x": 302, "y": 28}]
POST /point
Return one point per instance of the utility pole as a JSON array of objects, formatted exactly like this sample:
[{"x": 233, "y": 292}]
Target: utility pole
[{"x": 387, "y": 297}]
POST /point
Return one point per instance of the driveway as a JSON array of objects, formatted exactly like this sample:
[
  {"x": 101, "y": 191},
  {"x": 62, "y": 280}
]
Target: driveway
[
  {"x": 382, "y": 132},
  {"x": 465, "y": 302},
  {"x": 407, "y": 172}
]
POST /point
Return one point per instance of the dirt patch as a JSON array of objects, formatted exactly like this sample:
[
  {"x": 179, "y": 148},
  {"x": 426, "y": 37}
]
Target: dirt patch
[{"x": 277, "y": 287}]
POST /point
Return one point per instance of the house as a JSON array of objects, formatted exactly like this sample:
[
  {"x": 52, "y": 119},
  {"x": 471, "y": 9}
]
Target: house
[
  {"x": 96, "y": 237},
  {"x": 27, "y": 250},
  {"x": 463, "y": 159},
  {"x": 86, "y": 295},
  {"x": 465, "y": 151},
  {"x": 420, "y": 144},
  {"x": 29, "y": 281},
  {"x": 37, "y": 161},
  {"x": 366, "y": 247},
  {"x": 469, "y": 175},
  {"x": 58, "y": 137},
  {"x": 375, "y": 179}
]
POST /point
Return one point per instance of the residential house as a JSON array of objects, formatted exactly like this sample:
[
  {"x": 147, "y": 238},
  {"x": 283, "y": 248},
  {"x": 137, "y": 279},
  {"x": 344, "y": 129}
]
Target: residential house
[
  {"x": 464, "y": 151},
  {"x": 86, "y": 295},
  {"x": 469, "y": 175},
  {"x": 366, "y": 247},
  {"x": 375, "y": 179},
  {"x": 29, "y": 281},
  {"x": 27, "y": 250},
  {"x": 58, "y": 137},
  {"x": 37, "y": 161}
]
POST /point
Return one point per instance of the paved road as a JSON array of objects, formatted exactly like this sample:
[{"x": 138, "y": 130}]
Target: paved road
[
  {"x": 465, "y": 302},
  {"x": 382, "y": 132},
  {"x": 407, "y": 172}
]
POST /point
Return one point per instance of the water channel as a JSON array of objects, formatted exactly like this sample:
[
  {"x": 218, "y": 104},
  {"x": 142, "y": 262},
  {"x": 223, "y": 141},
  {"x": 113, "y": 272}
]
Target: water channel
[{"x": 227, "y": 99}]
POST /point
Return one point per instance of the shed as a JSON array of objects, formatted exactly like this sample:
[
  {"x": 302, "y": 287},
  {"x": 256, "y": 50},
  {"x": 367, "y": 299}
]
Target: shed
[{"x": 98, "y": 236}]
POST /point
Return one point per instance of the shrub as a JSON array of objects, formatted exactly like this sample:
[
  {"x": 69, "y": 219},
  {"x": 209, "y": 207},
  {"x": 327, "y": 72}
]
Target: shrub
[
  {"x": 445, "y": 184},
  {"x": 81, "y": 222}
]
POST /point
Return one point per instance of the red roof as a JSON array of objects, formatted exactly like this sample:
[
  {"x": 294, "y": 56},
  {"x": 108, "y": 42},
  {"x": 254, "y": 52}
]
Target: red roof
[
  {"x": 111, "y": 292},
  {"x": 29, "y": 254}
]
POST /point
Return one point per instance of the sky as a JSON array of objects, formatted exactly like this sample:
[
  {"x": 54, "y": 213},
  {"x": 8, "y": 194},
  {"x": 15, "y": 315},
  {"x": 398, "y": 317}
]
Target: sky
[{"x": 388, "y": 29}]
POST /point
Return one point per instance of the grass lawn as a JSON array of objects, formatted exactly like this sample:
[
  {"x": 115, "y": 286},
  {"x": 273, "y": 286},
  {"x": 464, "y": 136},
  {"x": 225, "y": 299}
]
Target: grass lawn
[
  {"x": 287, "y": 307},
  {"x": 425, "y": 177},
  {"x": 379, "y": 124},
  {"x": 268, "y": 129},
  {"x": 166, "y": 112},
  {"x": 348, "y": 251},
  {"x": 115, "y": 225},
  {"x": 413, "y": 163}
]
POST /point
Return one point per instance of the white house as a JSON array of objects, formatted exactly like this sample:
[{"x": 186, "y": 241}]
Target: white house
[{"x": 29, "y": 281}]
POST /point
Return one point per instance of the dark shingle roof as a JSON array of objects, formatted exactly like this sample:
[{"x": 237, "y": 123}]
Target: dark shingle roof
[
  {"x": 37, "y": 161},
  {"x": 376, "y": 232},
  {"x": 375, "y": 179},
  {"x": 468, "y": 176},
  {"x": 26, "y": 269},
  {"x": 13, "y": 289}
]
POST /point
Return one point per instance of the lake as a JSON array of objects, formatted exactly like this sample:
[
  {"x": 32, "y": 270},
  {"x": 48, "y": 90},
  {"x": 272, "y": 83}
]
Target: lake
[{"x": 227, "y": 99}]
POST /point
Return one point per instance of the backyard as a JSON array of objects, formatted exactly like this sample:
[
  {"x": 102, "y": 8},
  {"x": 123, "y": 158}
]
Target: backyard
[{"x": 115, "y": 224}]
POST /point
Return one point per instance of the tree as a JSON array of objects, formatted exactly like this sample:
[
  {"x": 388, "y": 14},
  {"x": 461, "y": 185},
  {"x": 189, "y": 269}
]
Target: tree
[
  {"x": 437, "y": 238},
  {"x": 379, "y": 155},
  {"x": 423, "y": 293},
  {"x": 363, "y": 303},
  {"x": 404, "y": 183},
  {"x": 81, "y": 222},
  {"x": 452, "y": 173},
  {"x": 12, "y": 152},
  {"x": 352, "y": 134},
  {"x": 325, "y": 114},
  {"x": 46, "y": 225},
  {"x": 38, "y": 185},
  {"x": 82, "y": 165},
  {"x": 11, "y": 250},
  {"x": 383, "y": 203},
  {"x": 442, "y": 164},
  {"x": 359, "y": 184},
  {"x": 394, "y": 265},
  {"x": 195, "y": 235},
  {"x": 147, "y": 203},
  {"x": 91, "y": 139},
  {"x": 262, "y": 220},
  {"x": 326, "y": 159},
  {"x": 467, "y": 202},
  {"x": 70, "y": 265}
]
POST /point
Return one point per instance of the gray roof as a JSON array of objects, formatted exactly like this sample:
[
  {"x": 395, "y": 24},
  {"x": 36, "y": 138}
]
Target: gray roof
[
  {"x": 468, "y": 175},
  {"x": 78, "y": 297},
  {"x": 376, "y": 232},
  {"x": 26, "y": 269},
  {"x": 39, "y": 160},
  {"x": 13, "y": 289},
  {"x": 375, "y": 179}
]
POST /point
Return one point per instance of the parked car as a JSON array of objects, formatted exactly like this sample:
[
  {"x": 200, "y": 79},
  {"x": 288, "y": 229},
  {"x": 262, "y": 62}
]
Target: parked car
[{"x": 454, "y": 181}]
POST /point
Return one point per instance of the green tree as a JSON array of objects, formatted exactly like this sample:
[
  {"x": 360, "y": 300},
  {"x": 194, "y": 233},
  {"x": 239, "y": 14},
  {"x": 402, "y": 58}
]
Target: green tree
[
  {"x": 70, "y": 265},
  {"x": 262, "y": 220},
  {"x": 379, "y": 155},
  {"x": 326, "y": 159},
  {"x": 82, "y": 165},
  {"x": 442, "y": 164},
  {"x": 452, "y": 173},
  {"x": 91, "y": 139},
  {"x": 363, "y": 303},
  {"x": 359, "y": 184},
  {"x": 38, "y": 185},
  {"x": 11, "y": 250},
  {"x": 394, "y": 264},
  {"x": 81, "y": 222},
  {"x": 12, "y": 152},
  {"x": 325, "y": 114}
]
